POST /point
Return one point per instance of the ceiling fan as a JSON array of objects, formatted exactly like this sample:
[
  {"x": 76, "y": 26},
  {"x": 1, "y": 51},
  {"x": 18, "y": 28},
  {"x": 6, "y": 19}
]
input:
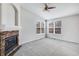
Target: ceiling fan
[{"x": 46, "y": 8}]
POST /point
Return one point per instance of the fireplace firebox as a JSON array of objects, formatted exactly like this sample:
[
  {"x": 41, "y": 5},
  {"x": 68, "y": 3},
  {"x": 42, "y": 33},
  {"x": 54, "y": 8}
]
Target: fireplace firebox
[{"x": 8, "y": 42}]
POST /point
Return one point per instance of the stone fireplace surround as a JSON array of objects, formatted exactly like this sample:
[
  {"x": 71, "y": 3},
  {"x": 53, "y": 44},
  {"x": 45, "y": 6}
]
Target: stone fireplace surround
[{"x": 3, "y": 36}]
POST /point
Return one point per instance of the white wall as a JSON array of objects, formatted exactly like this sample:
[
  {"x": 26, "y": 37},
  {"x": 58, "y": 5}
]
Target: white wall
[
  {"x": 28, "y": 24},
  {"x": 70, "y": 29},
  {"x": 0, "y": 15},
  {"x": 8, "y": 15}
]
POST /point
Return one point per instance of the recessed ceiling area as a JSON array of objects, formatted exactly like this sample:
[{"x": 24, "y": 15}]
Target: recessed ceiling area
[{"x": 61, "y": 10}]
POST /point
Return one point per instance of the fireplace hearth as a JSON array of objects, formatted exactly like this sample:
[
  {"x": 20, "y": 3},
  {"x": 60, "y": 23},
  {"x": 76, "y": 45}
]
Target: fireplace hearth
[{"x": 8, "y": 42}]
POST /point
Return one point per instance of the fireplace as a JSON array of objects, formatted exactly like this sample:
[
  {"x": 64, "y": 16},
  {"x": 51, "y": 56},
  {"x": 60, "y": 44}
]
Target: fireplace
[{"x": 8, "y": 42}]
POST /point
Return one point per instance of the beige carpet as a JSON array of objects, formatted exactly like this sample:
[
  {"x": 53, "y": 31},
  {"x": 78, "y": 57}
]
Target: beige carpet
[{"x": 48, "y": 47}]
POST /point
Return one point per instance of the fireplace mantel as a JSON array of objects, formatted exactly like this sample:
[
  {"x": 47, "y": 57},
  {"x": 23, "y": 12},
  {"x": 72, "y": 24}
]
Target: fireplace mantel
[{"x": 4, "y": 37}]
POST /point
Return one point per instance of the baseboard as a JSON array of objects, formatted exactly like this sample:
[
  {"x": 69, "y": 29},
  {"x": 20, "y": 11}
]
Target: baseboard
[
  {"x": 32, "y": 41},
  {"x": 63, "y": 40},
  {"x": 16, "y": 49}
]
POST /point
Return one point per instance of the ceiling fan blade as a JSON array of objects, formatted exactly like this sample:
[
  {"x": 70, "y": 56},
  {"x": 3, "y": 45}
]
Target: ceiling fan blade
[
  {"x": 46, "y": 7},
  {"x": 51, "y": 7}
]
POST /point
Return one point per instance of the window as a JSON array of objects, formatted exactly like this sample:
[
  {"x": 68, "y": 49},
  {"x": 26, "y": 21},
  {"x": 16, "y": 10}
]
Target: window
[
  {"x": 51, "y": 29},
  {"x": 38, "y": 27},
  {"x": 42, "y": 27},
  {"x": 58, "y": 27}
]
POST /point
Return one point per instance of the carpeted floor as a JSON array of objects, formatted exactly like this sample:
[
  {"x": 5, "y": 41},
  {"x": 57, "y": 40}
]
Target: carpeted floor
[{"x": 48, "y": 47}]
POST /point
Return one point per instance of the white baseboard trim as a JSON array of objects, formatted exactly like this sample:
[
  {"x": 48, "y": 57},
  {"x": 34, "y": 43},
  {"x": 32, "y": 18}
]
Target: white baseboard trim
[
  {"x": 63, "y": 40},
  {"x": 32, "y": 41}
]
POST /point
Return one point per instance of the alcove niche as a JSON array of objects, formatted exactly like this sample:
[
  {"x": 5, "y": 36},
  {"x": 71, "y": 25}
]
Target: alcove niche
[{"x": 9, "y": 16}]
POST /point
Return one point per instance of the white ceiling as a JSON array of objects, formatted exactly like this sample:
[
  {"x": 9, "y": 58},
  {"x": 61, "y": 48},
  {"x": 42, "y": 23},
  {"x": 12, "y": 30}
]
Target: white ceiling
[{"x": 61, "y": 10}]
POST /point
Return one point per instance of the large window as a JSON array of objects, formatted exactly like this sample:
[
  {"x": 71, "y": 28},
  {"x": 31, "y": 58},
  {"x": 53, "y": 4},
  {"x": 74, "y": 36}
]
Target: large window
[
  {"x": 51, "y": 27},
  {"x": 58, "y": 27},
  {"x": 40, "y": 27}
]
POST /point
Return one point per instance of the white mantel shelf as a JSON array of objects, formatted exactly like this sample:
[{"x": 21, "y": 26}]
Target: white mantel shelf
[
  {"x": 6, "y": 30},
  {"x": 2, "y": 29}
]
